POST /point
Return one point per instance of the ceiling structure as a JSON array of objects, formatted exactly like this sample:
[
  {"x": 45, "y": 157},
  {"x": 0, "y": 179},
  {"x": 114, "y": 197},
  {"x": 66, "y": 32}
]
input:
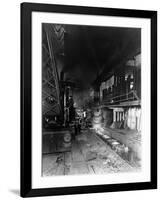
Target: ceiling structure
[
  {"x": 86, "y": 55},
  {"x": 91, "y": 52}
]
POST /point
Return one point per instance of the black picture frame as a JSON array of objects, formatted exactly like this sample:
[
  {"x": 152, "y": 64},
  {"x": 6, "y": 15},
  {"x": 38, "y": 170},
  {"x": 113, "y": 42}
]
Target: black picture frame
[{"x": 26, "y": 103}]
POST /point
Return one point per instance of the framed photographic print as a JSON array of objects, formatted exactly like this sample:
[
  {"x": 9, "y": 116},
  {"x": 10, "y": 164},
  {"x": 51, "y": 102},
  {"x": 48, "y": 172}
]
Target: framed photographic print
[{"x": 88, "y": 99}]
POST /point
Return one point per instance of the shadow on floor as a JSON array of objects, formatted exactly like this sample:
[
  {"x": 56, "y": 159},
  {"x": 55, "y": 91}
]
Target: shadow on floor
[{"x": 15, "y": 192}]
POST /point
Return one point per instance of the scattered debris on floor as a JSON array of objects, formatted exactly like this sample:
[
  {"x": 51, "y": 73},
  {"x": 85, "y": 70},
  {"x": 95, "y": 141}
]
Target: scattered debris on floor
[
  {"x": 59, "y": 159},
  {"x": 89, "y": 155},
  {"x": 121, "y": 149}
]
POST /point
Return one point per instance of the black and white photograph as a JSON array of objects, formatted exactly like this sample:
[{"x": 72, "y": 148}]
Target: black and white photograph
[
  {"x": 80, "y": 100},
  {"x": 88, "y": 85},
  {"x": 91, "y": 100}
]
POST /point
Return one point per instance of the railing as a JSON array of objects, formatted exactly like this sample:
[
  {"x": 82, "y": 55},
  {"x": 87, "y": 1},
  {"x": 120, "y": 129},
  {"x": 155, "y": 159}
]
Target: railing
[{"x": 131, "y": 96}]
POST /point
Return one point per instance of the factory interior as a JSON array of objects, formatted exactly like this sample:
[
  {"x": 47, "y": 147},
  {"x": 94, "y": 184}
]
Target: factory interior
[{"x": 91, "y": 99}]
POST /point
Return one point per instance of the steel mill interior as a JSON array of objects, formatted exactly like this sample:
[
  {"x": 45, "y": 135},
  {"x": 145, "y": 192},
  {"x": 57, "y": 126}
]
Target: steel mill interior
[{"x": 91, "y": 99}]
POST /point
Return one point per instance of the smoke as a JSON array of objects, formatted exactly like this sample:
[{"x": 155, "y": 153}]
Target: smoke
[
  {"x": 81, "y": 97},
  {"x": 92, "y": 52}
]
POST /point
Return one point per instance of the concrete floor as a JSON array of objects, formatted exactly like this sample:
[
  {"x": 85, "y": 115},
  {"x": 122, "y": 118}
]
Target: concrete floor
[{"x": 89, "y": 155}]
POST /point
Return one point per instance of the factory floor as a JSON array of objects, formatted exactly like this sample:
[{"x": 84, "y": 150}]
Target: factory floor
[
  {"x": 89, "y": 154},
  {"x": 130, "y": 138}
]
